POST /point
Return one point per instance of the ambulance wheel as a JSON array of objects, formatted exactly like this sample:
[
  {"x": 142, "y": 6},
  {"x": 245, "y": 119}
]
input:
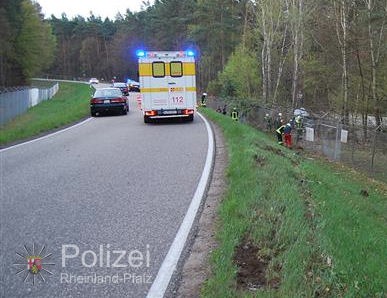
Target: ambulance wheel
[
  {"x": 190, "y": 118},
  {"x": 147, "y": 119}
]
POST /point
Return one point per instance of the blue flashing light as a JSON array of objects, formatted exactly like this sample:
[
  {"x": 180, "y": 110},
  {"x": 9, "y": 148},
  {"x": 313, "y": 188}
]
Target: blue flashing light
[
  {"x": 190, "y": 53},
  {"x": 140, "y": 53}
]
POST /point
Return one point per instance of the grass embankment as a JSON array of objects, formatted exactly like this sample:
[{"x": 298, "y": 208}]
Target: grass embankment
[
  {"x": 291, "y": 226},
  {"x": 70, "y": 104}
]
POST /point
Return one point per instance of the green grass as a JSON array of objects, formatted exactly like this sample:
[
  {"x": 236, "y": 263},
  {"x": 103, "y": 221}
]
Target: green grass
[
  {"x": 69, "y": 105},
  {"x": 360, "y": 158},
  {"x": 321, "y": 237}
]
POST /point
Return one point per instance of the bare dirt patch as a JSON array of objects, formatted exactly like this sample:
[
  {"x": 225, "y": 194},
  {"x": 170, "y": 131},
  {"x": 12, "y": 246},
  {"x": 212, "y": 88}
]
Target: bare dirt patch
[{"x": 252, "y": 266}]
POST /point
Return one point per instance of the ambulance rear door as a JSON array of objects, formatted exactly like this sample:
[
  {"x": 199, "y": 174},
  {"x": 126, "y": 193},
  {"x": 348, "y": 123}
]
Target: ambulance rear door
[{"x": 177, "y": 83}]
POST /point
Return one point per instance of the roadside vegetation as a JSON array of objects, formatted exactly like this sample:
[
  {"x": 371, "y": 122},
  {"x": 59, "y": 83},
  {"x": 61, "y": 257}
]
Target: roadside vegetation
[
  {"x": 69, "y": 105},
  {"x": 295, "y": 226},
  {"x": 326, "y": 56}
]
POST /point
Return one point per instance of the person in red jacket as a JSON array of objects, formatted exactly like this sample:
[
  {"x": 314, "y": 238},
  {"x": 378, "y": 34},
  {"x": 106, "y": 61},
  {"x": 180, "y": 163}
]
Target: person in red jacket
[{"x": 288, "y": 135}]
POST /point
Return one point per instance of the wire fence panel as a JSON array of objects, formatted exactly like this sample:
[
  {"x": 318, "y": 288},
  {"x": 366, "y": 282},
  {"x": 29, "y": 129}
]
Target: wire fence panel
[
  {"x": 13, "y": 104},
  {"x": 16, "y": 102},
  {"x": 367, "y": 151},
  {"x": 363, "y": 148}
]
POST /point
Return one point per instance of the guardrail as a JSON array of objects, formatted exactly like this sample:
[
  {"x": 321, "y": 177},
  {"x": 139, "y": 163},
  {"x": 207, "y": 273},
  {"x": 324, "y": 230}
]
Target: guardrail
[{"x": 16, "y": 102}]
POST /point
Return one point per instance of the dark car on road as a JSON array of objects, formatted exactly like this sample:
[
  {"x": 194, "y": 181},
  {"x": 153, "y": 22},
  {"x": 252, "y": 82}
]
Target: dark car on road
[
  {"x": 133, "y": 86},
  {"x": 122, "y": 86},
  {"x": 107, "y": 100}
]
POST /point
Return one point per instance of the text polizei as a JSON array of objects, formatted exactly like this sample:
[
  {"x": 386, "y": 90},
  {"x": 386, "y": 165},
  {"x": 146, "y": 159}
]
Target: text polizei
[{"x": 105, "y": 257}]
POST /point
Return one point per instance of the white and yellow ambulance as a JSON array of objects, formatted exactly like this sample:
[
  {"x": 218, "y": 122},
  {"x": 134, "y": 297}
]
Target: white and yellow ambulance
[{"x": 167, "y": 84}]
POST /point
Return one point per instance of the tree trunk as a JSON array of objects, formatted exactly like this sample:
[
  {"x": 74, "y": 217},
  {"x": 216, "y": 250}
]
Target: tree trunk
[
  {"x": 364, "y": 98},
  {"x": 281, "y": 63},
  {"x": 263, "y": 54},
  {"x": 375, "y": 55},
  {"x": 342, "y": 32},
  {"x": 298, "y": 41}
]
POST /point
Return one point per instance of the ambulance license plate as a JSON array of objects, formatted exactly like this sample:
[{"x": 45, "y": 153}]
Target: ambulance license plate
[{"x": 169, "y": 112}]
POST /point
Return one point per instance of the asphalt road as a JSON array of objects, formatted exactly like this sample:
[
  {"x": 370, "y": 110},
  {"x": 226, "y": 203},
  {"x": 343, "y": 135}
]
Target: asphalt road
[{"x": 105, "y": 198}]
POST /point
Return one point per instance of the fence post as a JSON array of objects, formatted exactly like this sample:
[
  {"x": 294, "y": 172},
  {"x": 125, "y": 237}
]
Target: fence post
[
  {"x": 374, "y": 148},
  {"x": 337, "y": 152}
]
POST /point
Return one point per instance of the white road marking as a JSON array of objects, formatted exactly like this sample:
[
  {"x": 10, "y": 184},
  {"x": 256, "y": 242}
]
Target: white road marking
[
  {"x": 46, "y": 136},
  {"x": 169, "y": 264}
]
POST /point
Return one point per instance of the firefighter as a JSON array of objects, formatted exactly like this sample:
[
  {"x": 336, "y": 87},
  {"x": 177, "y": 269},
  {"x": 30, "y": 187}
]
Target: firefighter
[
  {"x": 234, "y": 115},
  {"x": 278, "y": 121},
  {"x": 203, "y": 102},
  {"x": 299, "y": 127},
  {"x": 279, "y": 131},
  {"x": 298, "y": 121},
  {"x": 278, "y": 125},
  {"x": 288, "y": 135}
]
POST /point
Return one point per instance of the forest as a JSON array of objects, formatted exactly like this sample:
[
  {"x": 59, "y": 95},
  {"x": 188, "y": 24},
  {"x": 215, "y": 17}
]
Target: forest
[{"x": 324, "y": 55}]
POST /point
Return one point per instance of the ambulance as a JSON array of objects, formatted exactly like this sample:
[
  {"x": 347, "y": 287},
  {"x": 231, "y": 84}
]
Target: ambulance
[{"x": 167, "y": 84}]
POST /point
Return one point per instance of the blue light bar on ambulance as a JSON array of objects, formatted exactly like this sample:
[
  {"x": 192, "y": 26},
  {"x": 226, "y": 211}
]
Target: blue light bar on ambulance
[
  {"x": 190, "y": 53},
  {"x": 140, "y": 53}
]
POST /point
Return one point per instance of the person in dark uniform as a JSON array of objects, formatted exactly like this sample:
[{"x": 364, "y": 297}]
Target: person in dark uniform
[
  {"x": 279, "y": 126},
  {"x": 203, "y": 101},
  {"x": 279, "y": 131}
]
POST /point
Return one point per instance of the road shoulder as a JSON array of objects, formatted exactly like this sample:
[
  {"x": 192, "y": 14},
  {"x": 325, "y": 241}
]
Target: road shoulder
[{"x": 196, "y": 268}]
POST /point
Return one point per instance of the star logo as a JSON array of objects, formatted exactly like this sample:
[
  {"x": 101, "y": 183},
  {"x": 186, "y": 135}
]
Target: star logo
[{"x": 33, "y": 264}]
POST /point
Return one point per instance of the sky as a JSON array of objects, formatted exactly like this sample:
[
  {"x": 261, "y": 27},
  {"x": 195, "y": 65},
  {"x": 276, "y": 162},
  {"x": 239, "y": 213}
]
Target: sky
[{"x": 102, "y": 8}]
